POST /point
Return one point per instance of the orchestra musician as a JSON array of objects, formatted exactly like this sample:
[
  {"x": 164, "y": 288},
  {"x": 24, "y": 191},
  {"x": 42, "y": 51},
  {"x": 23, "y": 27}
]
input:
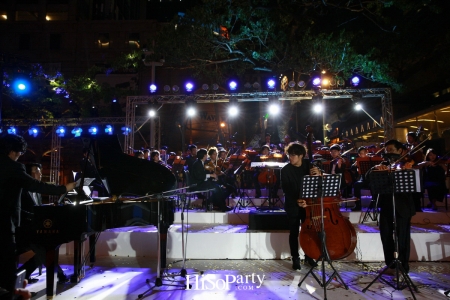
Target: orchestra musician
[
  {"x": 264, "y": 152},
  {"x": 13, "y": 179},
  {"x": 199, "y": 178},
  {"x": 212, "y": 166},
  {"x": 291, "y": 182},
  {"x": 146, "y": 154},
  {"x": 266, "y": 140},
  {"x": 404, "y": 210},
  {"x": 361, "y": 183},
  {"x": 434, "y": 177},
  {"x": 190, "y": 159},
  {"x": 338, "y": 166},
  {"x": 139, "y": 154},
  {"x": 412, "y": 139}
]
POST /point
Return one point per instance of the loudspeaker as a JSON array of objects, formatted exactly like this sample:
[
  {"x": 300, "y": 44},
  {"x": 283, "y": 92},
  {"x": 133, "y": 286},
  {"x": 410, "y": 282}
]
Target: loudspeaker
[{"x": 268, "y": 220}]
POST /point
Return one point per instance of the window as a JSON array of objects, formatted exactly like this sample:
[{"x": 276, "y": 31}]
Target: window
[
  {"x": 103, "y": 40},
  {"x": 55, "y": 41},
  {"x": 24, "y": 41},
  {"x": 134, "y": 41}
]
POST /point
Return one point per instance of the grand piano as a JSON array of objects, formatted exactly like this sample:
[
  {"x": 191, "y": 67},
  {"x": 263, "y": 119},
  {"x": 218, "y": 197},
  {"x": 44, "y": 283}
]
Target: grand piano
[{"x": 126, "y": 176}]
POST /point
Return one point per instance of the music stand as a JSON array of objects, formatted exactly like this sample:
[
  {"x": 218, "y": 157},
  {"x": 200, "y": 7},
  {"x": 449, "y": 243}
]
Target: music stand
[
  {"x": 320, "y": 187},
  {"x": 387, "y": 182},
  {"x": 243, "y": 196},
  {"x": 364, "y": 164}
]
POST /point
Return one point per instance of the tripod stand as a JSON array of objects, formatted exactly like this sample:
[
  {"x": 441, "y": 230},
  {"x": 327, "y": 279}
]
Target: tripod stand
[
  {"x": 372, "y": 211},
  {"x": 244, "y": 200},
  {"x": 320, "y": 187},
  {"x": 271, "y": 183},
  {"x": 392, "y": 183},
  {"x": 163, "y": 227}
]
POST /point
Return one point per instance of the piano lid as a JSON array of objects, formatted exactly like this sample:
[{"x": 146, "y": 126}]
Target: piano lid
[{"x": 128, "y": 174}]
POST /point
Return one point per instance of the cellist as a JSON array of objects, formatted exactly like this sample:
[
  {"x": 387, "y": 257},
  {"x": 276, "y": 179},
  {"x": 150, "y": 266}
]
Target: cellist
[{"x": 291, "y": 182}]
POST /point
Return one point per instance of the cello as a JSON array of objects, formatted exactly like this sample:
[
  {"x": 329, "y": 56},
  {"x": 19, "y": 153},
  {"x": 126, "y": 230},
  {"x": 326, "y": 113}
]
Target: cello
[{"x": 340, "y": 235}]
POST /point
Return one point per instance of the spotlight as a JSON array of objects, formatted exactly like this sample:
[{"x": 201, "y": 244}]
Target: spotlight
[
  {"x": 12, "y": 130},
  {"x": 189, "y": 87},
  {"x": 114, "y": 101},
  {"x": 340, "y": 82},
  {"x": 167, "y": 88},
  {"x": 60, "y": 131},
  {"x": 232, "y": 85},
  {"x": 355, "y": 80},
  {"x": 233, "y": 111},
  {"x": 222, "y": 124},
  {"x": 358, "y": 106},
  {"x": 325, "y": 82},
  {"x": 291, "y": 84},
  {"x": 151, "y": 113},
  {"x": 247, "y": 85},
  {"x": 205, "y": 87},
  {"x": 215, "y": 86},
  {"x": 125, "y": 130},
  {"x": 271, "y": 84},
  {"x": 256, "y": 85},
  {"x": 93, "y": 130},
  {"x": 109, "y": 130},
  {"x": 333, "y": 82},
  {"x": 316, "y": 81},
  {"x": 317, "y": 108},
  {"x": 175, "y": 88},
  {"x": 301, "y": 84},
  {"x": 152, "y": 88},
  {"x": 190, "y": 112},
  {"x": 274, "y": 109},
  {"x": 33, "y": 131},
  {"x": 77, "y": 131},
  {"x": 21, "y": 86}
]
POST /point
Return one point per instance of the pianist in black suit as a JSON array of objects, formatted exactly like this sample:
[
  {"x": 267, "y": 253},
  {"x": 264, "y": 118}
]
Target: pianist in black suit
[
  {"x": 13, "y": 179},
  {"x": 23, "y": 233},
  {"x": 200, "y": 177}
]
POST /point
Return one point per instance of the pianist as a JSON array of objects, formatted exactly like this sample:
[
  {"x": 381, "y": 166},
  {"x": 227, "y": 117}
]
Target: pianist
[{"x": 12, "y": 179}]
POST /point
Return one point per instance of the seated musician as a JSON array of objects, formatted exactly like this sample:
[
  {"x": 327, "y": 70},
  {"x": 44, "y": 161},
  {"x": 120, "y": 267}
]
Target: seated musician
[
  {"x": 434, "y": 177},
  {"x": 404, "y": 210},
  {"x": 155, "y": 157},
  {"x": 12, "y": 179},
  {"x": 24, "y": 232},
  {"x": 266, "y": 141},
  {"x": 221, "y": 175},
  {"x": 190, "y": 159},
  {"x": 338, "y": 166},
  {"x": 265, "y": 151},
  {"x": 199, "y": 177},
  {"x": 146, "y": 154},
  {"x": 361, "y": 183}
]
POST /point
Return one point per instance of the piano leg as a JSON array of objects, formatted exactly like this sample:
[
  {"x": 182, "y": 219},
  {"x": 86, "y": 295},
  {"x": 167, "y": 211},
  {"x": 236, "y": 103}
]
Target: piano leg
[
  {"x": 51, "y": 263},
  {"x": 77, "y": 253}
]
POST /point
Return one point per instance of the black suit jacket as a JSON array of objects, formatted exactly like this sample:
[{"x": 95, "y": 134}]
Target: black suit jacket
[
  {"x": 198, "y": 172},
  {"x": 13, "y": 179},
  {"x": 27, "y": 204},
  {"x": 292, "y": 185}
]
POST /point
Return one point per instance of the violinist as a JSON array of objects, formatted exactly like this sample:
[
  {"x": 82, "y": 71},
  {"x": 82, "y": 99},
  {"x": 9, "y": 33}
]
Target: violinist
[
  {"x": 190, "y": 159},
  {"x": 338, "y": 166},
  {"x": 156, "y": 158},
  {"x": 291, "y": 182},
  {"x": 212, "y": 166},
  {"x": 404, "y": 210},
  {"x": 418, "y": 157},
  {"x": 434, "y": 178},
  {"x": 361, "y": 183},
  {"x": 146, "y": 154},
  {"x": 199, "y": 178}
]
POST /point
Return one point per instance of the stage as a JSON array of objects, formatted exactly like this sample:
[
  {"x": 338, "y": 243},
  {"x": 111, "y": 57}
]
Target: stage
[{"x": 222, "y": 245}]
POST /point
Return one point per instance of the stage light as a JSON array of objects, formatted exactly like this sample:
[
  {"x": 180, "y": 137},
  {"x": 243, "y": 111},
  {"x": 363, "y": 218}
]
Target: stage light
[
  {"x": 151, "y": 113},
  {"x": 232, "y": 85},
  {"x": 60, "y": 131},
  {"x": 325, "y": 82},
  {"x": 77, "y": 131},
  {"x": 175, "y": 88},
  {"x": 167, "y": 88},
  {"x": 233, "y": 111},
  {"x": 205, "y": 87},
  {"x": 274, "y": 109},
  {"x": 358, "y": 106},
  {"x": 256, "y": 85},
  {"x": 12, "y": 130},
  {"x": 316, "y": 81},
  {"x": 152, "y": 88},
  {"x": 301, "y": 84},
  {"x": 291, "y": 84},
  {"x": 317, "y": 108},
  {"x": 333, "y": 82},
  {"x": 114, "y": 101},
  {"x": 247, "y": 85},
  {"x": 126, "y": 130},
  {"x": 355, "y": 80},
  {"x": 215, "y": 86},
  {"x": 21, "y": 86},
  {"x": 109, "y": 130},
  {"x": 190, "y": 111},
  {"x": 340, "y": 82},
  {"x": 271, "y": 84},
  {"x": 222, "y": 124},
  {"x": 33, "y": 131},
  {"x": 189, "y": 87},
  {"x": 93, "y": 130}
]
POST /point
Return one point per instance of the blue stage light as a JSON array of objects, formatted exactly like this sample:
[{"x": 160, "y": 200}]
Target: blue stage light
[
  {"x": 12, "y": 130},
  {"x": 60, "y": 131},
  {"x": 77, "y": 131},
  {"x": 232, "y": 85},
  {"x": 271, "y": 84},
  {"x": 109, "y": 130},
  {"x": 93, "y": 130},
  {"x": 189, "y": 87},
  {"x": 152, "y": 88},
  {"x": 33, "y": 131},
  {"x": 126, "y": 130},
  {"x": 21, "y": 86},
  {"x": 355, "y": 80},
  {"x": 316, "y": 81}
]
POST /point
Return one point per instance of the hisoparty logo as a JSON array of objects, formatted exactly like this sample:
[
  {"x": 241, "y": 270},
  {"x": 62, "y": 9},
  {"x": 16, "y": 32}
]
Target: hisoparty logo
[{"x": 209, "y": 282}]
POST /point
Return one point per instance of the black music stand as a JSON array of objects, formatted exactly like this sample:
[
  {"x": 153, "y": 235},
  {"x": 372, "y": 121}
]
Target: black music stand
[
  {"x": 363, "y": 167},
  {"x": 320, "y": 187},
  {"x": 392, "y": 182},
  {"x": 270, "y": 187}
]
